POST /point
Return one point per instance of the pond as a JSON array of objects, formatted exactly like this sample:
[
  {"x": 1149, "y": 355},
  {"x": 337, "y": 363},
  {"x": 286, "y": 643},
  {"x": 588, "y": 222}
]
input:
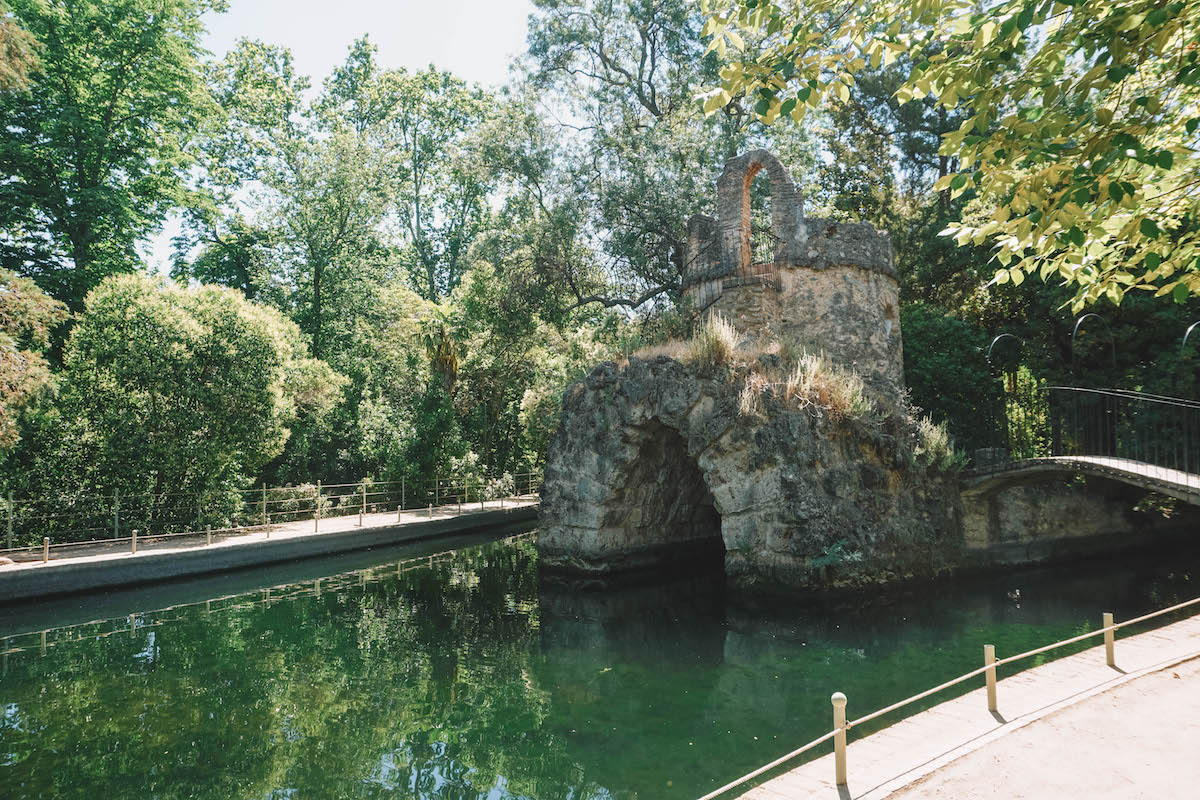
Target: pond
[{"x": 403, "y": 674}]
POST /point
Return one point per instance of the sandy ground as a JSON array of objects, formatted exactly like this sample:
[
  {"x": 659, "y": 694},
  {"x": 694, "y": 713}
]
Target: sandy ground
[{"x": 1138, "y": 740}]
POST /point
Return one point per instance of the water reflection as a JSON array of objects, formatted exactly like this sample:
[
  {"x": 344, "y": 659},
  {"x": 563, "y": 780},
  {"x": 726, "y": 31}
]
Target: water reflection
[{"x": 462, "y": 676}]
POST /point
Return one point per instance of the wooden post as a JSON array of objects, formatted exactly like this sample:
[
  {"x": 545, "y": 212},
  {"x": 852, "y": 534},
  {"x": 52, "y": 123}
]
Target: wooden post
[
  {"x": 45, "y": 549},
  {"x": 402, "y": 497},
  {"x": 317, "y": 508},
  {"x": 132, "y": 626},
  {"x": 1109, "y": 640},
  {"x": 437, "y": 488},
  {"x": 839, "y": 737},
  {"x": 43, "y": 644},
  {"x": 989, "y": 660},
  {"x": 208, "y": 535},
  {"x": 133, "y": 543},
  {"x": 480, "y": 490},
  {"x": 431, "y": 510},
  {"x": 266, "y": 514},
  {"x": 362, "y": 509}
]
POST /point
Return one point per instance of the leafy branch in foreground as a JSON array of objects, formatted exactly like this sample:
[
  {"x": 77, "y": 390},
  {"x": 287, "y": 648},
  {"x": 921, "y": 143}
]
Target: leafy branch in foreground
[{"x": 1079, "y": 129}]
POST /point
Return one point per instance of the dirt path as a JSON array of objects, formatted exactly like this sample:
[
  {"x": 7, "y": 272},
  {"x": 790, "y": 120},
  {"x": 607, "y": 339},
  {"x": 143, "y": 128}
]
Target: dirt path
[{"x": 1138, "y": 740}]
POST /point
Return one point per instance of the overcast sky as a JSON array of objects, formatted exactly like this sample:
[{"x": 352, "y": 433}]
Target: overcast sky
[{"x": 474, "y": 39}]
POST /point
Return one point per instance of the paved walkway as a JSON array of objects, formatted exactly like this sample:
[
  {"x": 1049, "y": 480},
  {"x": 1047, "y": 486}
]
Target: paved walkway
[
  {"x": 1056, "y": 735},
  {"x": 1139, "y": 740},
  {"x": 31, "y": 558}
]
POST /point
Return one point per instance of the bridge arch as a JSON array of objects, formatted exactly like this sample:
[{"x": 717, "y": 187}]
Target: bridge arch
[{"x": 644, "y": 482}]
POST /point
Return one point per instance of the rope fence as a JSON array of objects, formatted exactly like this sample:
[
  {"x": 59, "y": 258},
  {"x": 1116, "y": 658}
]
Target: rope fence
[{"x": 1108, "y": 631}]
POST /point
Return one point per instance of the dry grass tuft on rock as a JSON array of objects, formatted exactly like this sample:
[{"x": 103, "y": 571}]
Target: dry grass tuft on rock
[
  {"x": 673, "y": 348},
  {"x": 714, "y": 344},
  {"x": 935, "y": 448},
  {"x": 819, "y": 384},
  {"x": 750, "y": 399}
]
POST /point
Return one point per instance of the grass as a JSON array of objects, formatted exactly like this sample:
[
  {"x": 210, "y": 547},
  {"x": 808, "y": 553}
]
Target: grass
[
  {"x": 715, "y": 343},
  {"x": 811, "y": 382},
  {"x": 819, "y": 384},
  {"x": 934, "y": 447}
]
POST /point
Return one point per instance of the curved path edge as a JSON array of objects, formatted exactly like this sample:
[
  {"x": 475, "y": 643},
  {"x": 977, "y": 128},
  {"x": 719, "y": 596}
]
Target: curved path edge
[{"x": 913, "y": 748}]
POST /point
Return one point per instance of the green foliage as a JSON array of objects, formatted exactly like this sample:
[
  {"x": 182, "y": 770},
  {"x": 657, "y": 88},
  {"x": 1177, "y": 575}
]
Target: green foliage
[
  {"x": 18, "y": 52},
  {"x": 948, "y": 376},
  {"x": 92, "y": 153},
  {"x": 1077, "y": 120},
  {"x": 167, "y": 389},
  {"x": 27, "y": 317}
]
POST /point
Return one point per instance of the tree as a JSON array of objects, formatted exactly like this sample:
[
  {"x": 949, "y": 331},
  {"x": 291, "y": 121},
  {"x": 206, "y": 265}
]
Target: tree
[
  {"x": 1078, "y": 120},
  {"x": 91, "y": 156},
  {"x": 18, "y": 52},
  {"x": 27, "y": 317},
  {"x": 169, "y": 389},
  {"x": 442, "y": 203}
]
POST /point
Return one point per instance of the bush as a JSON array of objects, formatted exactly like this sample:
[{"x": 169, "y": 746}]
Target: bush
[{"x": 935, "y": 448}]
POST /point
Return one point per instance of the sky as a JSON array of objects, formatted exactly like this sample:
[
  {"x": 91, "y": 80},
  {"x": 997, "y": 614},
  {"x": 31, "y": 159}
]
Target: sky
[{"x": 474, "y": 39}]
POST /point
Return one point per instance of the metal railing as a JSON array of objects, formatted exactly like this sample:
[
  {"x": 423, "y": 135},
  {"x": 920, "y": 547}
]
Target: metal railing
[
  {"x": 1050, "y": 421},
  {"x": 1108, "y": 630},
  {"x": 70, "y": 520}
]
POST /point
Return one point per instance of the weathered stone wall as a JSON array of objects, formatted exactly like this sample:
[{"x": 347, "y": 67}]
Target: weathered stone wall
[
  {"x": 847, "y": 312},
  {"x": 795, "y": 500},
  {"x": 1058, "y": 518},
  {"x": 831, "y": 287}
]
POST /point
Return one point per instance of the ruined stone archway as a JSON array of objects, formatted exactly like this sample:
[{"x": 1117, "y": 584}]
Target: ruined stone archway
[
  {"x": 665, "y": 504},
  {"x": 630, "y": 490},
  {"x": 642, "y": 502},
  {"x": 654, "y": 465}
]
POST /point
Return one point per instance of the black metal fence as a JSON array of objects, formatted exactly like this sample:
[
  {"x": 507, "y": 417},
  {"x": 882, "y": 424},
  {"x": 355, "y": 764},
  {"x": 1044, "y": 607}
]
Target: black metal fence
[{"x": 1043, "y": 421}]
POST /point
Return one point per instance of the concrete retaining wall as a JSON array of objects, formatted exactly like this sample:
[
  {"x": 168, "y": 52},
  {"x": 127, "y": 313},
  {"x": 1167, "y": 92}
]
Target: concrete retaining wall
[{"x": 83, "y": 575}]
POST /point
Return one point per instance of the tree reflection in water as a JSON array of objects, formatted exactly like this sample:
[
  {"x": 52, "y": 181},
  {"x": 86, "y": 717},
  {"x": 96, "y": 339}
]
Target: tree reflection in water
[{"x": 462, "y": 677}]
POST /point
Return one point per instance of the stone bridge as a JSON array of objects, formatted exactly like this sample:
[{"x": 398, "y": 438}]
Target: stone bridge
[
  {"x": 659, "y": 462},
  {"x": 1184, "y": 486}
]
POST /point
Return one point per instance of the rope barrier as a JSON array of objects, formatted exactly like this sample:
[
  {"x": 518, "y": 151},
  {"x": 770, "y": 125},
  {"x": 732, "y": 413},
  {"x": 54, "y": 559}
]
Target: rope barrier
[{"x": 940, "y": 687}]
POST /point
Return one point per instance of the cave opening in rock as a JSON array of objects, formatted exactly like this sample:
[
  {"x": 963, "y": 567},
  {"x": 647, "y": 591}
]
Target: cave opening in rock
[{"x": 670, "y": 514}]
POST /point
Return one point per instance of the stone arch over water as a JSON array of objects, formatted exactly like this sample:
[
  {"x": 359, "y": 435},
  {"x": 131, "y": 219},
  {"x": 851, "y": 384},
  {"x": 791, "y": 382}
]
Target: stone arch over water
[
  {"x": 655, "y": 465},
  {"x": 640, "y": 488}
]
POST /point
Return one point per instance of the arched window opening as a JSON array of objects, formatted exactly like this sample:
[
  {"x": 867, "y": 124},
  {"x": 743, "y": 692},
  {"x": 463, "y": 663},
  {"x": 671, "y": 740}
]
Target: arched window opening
[{"x": 763, "y": 242}]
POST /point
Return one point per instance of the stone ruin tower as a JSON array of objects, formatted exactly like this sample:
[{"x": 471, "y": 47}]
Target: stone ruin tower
[{"x": 827, "y": 286}]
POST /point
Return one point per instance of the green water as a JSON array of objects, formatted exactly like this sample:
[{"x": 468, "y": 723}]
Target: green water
[{"x": 467, "y": 678}]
